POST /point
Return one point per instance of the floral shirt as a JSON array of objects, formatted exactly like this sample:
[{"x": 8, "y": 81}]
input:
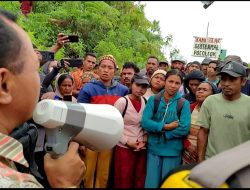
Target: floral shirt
[
  {"x": 81, "y": 77},
  {"x": 12, "y": 151}
]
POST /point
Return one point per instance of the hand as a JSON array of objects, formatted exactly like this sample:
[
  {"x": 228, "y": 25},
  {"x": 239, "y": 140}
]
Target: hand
[
  {"x": 66, "y": 65},
  {"x": 172, "y": 125},
  {"x": 133, "y": 145},
  {"x": 48, "y": 95},
  {"x": 193, "y": 151},
  {"x": 141, "y": 145},
  {"x": 61, "y": 40},
  {"x": 67, "y": 170}
]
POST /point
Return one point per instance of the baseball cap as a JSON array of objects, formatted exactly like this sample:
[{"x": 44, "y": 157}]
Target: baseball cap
[
  {"x": 179, "y": 58},
  {"x": 165, "y": 62},
  {"x": 206, "y": 61},
  {"x": 234, "y": 69},
  {"x": 140, "y": 78},
  {"x": 234, "y": 58}
]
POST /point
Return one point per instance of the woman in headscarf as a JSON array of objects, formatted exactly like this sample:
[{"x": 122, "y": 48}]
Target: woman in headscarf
[
  {"x": 157, "y": 83},
  {"x": 64, "y": 87}
]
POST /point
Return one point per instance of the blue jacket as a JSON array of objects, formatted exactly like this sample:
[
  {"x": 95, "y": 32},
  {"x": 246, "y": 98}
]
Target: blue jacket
[
  {"x": 96, "y": 93},
  {"x": 160, "y": 141}
]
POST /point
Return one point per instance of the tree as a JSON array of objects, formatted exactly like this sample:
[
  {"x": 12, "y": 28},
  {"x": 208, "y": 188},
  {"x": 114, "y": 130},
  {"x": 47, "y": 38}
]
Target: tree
[{"x": 119, "y": 28}]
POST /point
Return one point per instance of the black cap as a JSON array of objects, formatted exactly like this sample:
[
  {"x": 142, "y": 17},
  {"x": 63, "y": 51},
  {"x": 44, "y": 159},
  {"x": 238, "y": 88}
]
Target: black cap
[
  {"x": 206, "y": 61},
  {"x": 234, "y": 58},
  {"x": 140, "y": 78},
  {"x": 234, "y": 69}
]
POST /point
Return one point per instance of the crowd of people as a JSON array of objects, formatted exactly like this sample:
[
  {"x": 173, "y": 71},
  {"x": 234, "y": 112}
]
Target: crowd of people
[{"x": 175, "y": 113}]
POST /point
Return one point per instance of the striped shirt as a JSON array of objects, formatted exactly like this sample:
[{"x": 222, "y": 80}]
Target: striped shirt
[{"x": 12, "y": 151}]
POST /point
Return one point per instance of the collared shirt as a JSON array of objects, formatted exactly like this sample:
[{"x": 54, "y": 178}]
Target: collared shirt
[
  {"x": 12, "y": 151},
  {"x": 81, "y": 77}
]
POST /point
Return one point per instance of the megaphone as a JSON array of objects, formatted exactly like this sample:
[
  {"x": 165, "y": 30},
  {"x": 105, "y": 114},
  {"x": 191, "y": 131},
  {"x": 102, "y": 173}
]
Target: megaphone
[{"x": 97, "y": 126}]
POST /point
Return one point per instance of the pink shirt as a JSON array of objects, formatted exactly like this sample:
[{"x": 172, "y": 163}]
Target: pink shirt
[{"x": 132, "y": 121}]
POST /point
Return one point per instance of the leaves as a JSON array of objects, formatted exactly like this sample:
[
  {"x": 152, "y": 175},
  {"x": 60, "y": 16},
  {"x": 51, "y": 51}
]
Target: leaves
[{"x": 119, "y": 28}]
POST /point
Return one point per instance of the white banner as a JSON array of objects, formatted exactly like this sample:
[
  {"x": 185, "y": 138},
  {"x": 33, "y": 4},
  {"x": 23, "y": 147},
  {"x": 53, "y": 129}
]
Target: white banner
[{"x": 206, "y": 47}]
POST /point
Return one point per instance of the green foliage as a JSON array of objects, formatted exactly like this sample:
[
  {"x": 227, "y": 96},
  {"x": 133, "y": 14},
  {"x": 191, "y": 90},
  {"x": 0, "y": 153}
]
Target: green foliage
[{"x": 119, "y": 28}]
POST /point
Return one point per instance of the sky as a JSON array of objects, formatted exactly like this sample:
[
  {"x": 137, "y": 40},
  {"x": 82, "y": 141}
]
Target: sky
[{"x": 228, "y": 20}]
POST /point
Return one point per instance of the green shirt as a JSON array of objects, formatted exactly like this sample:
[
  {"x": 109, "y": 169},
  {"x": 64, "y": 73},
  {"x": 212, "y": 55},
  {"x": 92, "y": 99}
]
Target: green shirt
[{"x": 228, "y": 122}]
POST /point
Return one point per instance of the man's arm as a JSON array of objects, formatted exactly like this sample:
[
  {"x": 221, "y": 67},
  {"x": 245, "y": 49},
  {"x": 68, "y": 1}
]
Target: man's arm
[
  {"x": 202, "y": 143},
  {"x": 61, "y": 40}
]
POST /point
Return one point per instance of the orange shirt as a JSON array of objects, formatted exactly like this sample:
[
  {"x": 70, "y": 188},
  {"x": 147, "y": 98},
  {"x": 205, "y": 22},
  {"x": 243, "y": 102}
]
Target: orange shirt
[{"x": 81, "y": 77}]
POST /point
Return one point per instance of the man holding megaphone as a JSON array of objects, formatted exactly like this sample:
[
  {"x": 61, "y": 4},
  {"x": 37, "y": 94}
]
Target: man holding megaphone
[{"x": 19, "y": 78}]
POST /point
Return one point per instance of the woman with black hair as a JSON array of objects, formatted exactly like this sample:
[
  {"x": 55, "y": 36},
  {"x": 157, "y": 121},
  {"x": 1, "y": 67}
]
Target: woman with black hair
[{"x": 166, "y": 130}]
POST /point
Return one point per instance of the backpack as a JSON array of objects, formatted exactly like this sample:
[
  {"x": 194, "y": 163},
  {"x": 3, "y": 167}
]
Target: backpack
[
  {"x": 27, "y": 135},
  {"x": 126, "y": 106},
  {"x": 179, "y": 106}
]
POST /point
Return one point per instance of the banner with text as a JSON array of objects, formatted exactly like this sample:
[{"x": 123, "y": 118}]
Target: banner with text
[{"x": 206, "y": 47}]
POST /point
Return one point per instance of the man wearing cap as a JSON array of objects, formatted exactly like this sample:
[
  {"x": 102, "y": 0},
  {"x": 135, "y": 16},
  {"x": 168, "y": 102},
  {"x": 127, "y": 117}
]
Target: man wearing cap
[
  {"x": 192, "y": 66},
  {"x": 224, "y": 117},
  {"x": 246, "y": 88},
  {"x": 204, "y": 65},
  {"x": 102, "y": 91},
  {"x": 178, "y": 62},
  {"x": 163, "y": 65}
]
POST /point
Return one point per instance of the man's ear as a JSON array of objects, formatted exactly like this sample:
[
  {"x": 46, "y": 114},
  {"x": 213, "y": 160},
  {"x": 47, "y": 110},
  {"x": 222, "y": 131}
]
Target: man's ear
[
  {"x": 5, "y": 84},
  {"x": 243, "y": 81}
]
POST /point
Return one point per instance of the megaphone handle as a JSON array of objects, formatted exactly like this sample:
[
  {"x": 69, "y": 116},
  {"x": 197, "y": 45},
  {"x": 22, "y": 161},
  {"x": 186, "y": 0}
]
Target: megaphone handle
[{"x": 56, "y": 141}]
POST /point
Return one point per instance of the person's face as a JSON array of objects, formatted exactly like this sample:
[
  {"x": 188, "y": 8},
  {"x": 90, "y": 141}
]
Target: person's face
[
  {"x": 172, "y": 85},
  {"x": 152, "y": 65},
  {"x": 203, "y": 91},
  {"x": 106, "y": 70},
  {"x": 26, "y": 87},
  {"x": 231, "y": 86},
  {"x": 193, "y": 84},
  {"x": 138, "y": 90},
  {"x": 193, "y": 67},
  {"x": 204, "y": 69},
  {"x": 177, "y": 65},
  {"x": 163, "y": 67},
  {"x": 126, "y": 76},
  {"x": 211, "y": 70},
  {"x": 66, "y": 87},
  {"x": 158, "y": 82},
  {"x": 89, "y": 63}
]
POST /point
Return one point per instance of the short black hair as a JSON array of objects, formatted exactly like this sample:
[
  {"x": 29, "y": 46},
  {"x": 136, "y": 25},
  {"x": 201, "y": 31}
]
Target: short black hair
[
  {"x": 153, "y": 57},
  {"x": 131, "y": 65},
  {"x": 89, "y": 54},
  {"x": 10, "y": 44}
]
